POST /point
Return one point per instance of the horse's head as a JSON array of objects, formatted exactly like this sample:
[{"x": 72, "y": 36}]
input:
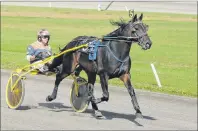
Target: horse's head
[
  {"x": 138, "y": 30},
  {"x": 134, "y": 31}
]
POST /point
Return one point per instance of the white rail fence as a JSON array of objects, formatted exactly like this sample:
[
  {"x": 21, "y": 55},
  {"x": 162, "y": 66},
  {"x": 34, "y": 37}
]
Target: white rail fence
[{"x": 183, "y": 7}]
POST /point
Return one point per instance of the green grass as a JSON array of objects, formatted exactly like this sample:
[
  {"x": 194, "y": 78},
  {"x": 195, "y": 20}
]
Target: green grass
[{"x": 174, "y": 37}]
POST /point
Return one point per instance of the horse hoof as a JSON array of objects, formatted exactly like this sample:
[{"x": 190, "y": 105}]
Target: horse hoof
[
  {"x": 98, "y": 114},
  {"x": 49, "y": 98},
  {"x": 139, "y": 115}
]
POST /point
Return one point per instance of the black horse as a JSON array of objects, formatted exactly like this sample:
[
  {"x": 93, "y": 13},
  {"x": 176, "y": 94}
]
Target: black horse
[{"x": 112, "y": 61}]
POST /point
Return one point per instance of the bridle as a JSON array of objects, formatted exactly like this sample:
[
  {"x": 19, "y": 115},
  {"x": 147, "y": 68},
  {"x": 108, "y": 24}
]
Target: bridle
[
  {"x": 130, "y": 38},
  {"x": 139, "y": 38}
]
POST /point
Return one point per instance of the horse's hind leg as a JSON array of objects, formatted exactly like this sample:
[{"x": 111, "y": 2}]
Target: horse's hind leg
[
  {"x": 77, "y": 71},
  {"x": 126, "y": 79},
  {"x": 59, "y": 77},
  {"x": 104, "y": 85},
  {"x": 68, "y": 66}
]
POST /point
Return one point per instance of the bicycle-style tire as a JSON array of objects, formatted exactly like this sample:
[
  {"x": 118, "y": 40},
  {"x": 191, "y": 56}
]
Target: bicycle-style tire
[
  {"x": 15, "y": 98},
  {"x": 79, "y": 102}
]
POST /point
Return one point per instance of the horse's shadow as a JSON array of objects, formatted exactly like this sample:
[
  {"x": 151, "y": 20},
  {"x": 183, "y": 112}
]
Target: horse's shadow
[
  {"x": 59, "y": 107},
  {"x": 112, "y": 115},
  {"x": 55, "y": 105}
]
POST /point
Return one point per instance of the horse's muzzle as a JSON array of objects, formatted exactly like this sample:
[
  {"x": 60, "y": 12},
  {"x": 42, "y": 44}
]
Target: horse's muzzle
[{"x": 148, "y": 45}]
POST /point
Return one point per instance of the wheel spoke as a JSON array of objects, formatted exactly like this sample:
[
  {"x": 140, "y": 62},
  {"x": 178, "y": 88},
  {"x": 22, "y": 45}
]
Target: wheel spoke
[{"x": 14, "y": 98}]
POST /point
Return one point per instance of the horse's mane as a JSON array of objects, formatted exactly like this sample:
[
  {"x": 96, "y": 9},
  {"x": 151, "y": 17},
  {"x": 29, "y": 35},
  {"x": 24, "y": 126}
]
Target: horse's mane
[
  {"x": 79, "y": 41},
  {"x": 85, "y": 39},
  {"x": 121, "y": 24}
]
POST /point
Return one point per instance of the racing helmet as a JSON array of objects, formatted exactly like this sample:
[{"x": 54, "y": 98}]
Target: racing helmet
[{"x": 43, "y": 33}]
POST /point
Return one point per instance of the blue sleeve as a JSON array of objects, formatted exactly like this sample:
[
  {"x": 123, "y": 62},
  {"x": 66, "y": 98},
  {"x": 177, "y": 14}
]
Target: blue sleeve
[{"x": 30, "y": 50}]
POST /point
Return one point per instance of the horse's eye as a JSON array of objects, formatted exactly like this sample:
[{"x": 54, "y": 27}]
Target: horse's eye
[{"x": 133, "y": 30}]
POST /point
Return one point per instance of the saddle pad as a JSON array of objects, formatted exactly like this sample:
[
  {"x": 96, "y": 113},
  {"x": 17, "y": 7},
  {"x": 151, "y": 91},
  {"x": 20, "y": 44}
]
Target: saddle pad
[{"x": 92, "y": 49}]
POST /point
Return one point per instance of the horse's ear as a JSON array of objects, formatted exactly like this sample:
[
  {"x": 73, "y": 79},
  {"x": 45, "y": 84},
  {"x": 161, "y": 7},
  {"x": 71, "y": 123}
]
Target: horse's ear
[
  {"x": 141, "y": 17},
  {"x": 134, "y": 18}
]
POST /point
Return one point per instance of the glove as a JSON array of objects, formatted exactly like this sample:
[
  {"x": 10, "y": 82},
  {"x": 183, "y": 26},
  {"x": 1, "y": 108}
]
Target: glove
[
  {"x": 43, "y": 55},
  {"x": 39, "y": 56}
]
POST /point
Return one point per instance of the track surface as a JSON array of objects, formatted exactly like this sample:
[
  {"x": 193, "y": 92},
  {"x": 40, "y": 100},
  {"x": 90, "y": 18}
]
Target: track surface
[
  {"x": 160, "y": 111},
  {"x": 185, "y": 7}
]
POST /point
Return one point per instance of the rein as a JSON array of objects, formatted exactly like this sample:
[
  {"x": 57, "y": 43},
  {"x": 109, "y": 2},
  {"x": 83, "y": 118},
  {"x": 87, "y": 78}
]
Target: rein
[
  {"x": 124, "y": 38},
  {"x": 118, "y": 38}
]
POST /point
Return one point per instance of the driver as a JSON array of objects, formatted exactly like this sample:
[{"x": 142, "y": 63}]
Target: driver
[{"x": 40, "y": 50}]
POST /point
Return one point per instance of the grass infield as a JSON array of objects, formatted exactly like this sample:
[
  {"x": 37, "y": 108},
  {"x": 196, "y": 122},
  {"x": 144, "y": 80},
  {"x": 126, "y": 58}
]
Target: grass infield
[{"x": 174, "y": 37}]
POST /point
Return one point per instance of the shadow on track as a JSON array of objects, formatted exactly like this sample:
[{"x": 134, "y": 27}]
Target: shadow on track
[{"x": 59, "y": 107}]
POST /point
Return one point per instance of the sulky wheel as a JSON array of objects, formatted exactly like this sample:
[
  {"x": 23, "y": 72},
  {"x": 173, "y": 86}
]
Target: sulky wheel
[
  {"x": 15, "y": 96},
  {"x": 79, "y": 98}
]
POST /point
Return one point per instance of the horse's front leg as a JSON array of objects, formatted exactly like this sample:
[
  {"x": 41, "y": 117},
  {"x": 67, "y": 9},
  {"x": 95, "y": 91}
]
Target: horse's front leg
[
  {"x": 104, "y": 85},
  {"x": 91, "y": 81},
  {"x": 126, "y": 79}
]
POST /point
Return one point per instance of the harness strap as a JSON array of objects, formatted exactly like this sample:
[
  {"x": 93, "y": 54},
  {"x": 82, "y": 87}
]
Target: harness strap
[
  {"x": 122, "y": 61},
  {"x": 112, "y": 53}
]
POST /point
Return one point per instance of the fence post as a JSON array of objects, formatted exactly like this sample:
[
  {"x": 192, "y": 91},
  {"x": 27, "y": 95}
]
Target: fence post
[
  {"x": 156, "y": 76},
  {"x": 99, "y": 7},
  {"x": 50, "y": 4},
  {"x": 126, "y": 8}
]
